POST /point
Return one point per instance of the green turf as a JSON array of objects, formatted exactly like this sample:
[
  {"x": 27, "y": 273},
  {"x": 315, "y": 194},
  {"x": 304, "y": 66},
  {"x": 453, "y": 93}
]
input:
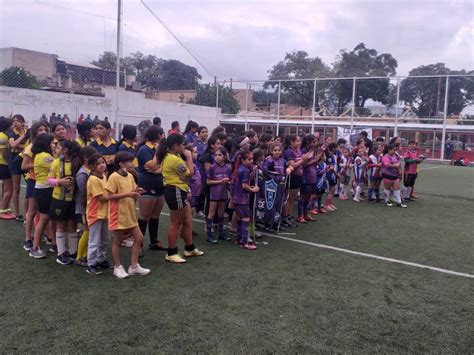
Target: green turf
[{"x": 284, "y": 298}]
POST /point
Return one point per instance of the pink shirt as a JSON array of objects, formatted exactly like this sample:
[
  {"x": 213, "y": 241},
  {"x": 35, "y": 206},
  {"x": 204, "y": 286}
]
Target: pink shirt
[{"x": 411, "y": 168}]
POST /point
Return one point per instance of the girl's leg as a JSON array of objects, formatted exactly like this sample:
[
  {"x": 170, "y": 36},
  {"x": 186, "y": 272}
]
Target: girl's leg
[
  {"x": 396, "y": 192},
  {"x": 377, "y": 190},
  {"x": 94, "y": 244},
  {"x": 7, "y": 194},
  {"x": 29, "y": 218},
  {"x": 209, "y": 219},
  {"x": 116, "y": 245},
  {"x": 61, "y": 238},
  {"x": 357, "y": 191},
  {"x": 104, "y": 241},
  {"x": 387, "y": 186},
  {"x": 82, "y": 245},
  {"x": 146, "y": 206},
  {"x": 72, "y": 238},
  {"x": 220, "y": 220},
  {"x": 174, "y": 227},
  {"x": 137, "y": 244},
  {"x": 371, "y": 191},
  {"x": 16, "y": 179},
  {"x": 187, "y": 228},
  {"x": 154, "y": 224},
  {"x": 39, "y": 230}
]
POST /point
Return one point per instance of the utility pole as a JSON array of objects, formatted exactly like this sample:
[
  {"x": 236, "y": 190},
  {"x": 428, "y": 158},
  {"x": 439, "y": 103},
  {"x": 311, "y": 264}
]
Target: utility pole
[{"x": 117, "y": 69}]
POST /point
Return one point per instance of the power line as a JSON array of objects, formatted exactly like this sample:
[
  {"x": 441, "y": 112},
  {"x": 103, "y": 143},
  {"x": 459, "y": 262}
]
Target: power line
[
  {"x": 176, "y": 38},
  {"x": 75, "y": 10}
]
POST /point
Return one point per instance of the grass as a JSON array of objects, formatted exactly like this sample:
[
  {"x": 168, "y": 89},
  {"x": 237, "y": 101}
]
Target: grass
[{"x": 284, "y": 298}]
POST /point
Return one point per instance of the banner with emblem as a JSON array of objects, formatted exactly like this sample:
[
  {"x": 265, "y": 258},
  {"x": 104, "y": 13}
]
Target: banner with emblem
[{"x": 271, "y": 197}]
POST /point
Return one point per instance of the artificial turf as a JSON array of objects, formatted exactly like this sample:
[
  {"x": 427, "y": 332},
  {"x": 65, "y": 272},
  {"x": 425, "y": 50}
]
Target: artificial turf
[{"x": 285, "y": 297}]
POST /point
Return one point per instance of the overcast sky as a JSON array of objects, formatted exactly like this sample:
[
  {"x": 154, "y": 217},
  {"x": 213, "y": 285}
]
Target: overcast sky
[{"x": 243, "y": 39}]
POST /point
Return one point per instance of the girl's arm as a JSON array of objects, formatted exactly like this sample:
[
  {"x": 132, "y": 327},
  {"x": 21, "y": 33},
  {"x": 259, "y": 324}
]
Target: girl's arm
[
  {"x": 111, "y": 196},
  {"x": 27, "y": 163},
  {"x": 189, "y": 162},
  {"x": 249, "y": 188},
  {"x": 16, "y": 142},
  {"x": 152, "y": 166},
  {"x": 217, "y": 182}
]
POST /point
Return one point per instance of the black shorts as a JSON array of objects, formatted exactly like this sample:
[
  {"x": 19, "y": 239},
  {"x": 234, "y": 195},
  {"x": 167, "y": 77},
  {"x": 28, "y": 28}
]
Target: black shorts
[
  {"x": 345, "y": 179},
  {"x": 30, "y": 188},
  {"x": 389, "y": 177},
  {"x": 62, "y": 210},
  {"x": 175, "y": 198},
  {"x": 43, "y": 198},
  {"x": 307, "y": 189},
  {"x": 15, "y": 164},
  {"x": 332, "y": 182},
  {"x": 5, "y": 172},
  {"x": 151, "y": 183},
  {"x": 294, "y": 182},
  {"x": 409, "y": 179}
]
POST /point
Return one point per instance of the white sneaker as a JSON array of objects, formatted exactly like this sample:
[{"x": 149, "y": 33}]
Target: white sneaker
[
  {"x": 138, "y": 270},
  {"x": 120, "y": 272},
  {"x": 334, "y": 208},
  {"x": 201, "y": 214},
  {"x": 356, "y": 199}
]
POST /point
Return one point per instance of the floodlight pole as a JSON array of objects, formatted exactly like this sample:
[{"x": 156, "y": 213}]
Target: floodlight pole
[
  {"x": 395, "y": 130},
  {"x": 278, "y": 108},
  {"x": 314, "y": 107},
  {"x": 445, "y": 116},
  {"x": 353, "y": 103},
  {"x": 117, "y": 69},
  {"x": 246, "y": 106}
]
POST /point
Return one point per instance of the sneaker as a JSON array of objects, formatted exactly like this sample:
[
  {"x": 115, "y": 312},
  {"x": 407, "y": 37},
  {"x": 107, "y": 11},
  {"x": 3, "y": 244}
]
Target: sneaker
[
  {"x": 138, "y": 270},
  {"x": 248, "y": 246},
  {"x": 233, "y": 231},
  {"x": 63, "y": 259},
  {"x": 175, "y": 258},
  {"x": 282, "y": 229},
  {"x": 93, "y": 270},
  {"x": 270, "y": 230},
  {"x": 402, "y": 205},
  {"x": 388, "y": 203},
  {"x": 28, "y": 245},
  {"x": 81, "y": 262},
  {"x": 37, "y": 253},
  {"x": 53, "y": 249},
  {"x": 356, "y": 199},
  {"x": 302, "y": 220},
  {"x": 120, "y": 272},
  {"x": 201, "y": 214},
  {"x": 334, "y": 208},
  {"x": 194, "y": 252},
  {"x": 20, "y": 218},
  {"x": 314, "y": 211},
  {"x": 225, "y": 236},
  {"x": 393, "y": 199},
  {"x": 104, "y": 265},
  {"x": 157, "y": 246},
  {"x": 329, "y": 208},
  {"x": 212, "y": 240},
  {"x": 322, "y": 210},
  {"x": 308, "y": 218},
  {"x": 7, "y": 216},
  {"x": 47, "y": 240}
]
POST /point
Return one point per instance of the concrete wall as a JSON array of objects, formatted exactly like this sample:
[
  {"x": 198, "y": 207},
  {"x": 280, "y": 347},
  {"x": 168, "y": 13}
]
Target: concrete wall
[
  {"x": 41, "y": 65},
  {"x": 133, "y": 107}
]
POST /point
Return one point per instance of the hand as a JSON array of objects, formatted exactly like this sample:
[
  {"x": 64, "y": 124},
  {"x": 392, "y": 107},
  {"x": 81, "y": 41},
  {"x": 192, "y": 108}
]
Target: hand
[
  {"x": 66, "y": 182},
  {"x": 187, "y": 154},
  {"x": 140, "y": 190},
  {"x": 225, "y": 181},
  {"x": 134, "y": 194},
  {"x": 255, "y": 189}
]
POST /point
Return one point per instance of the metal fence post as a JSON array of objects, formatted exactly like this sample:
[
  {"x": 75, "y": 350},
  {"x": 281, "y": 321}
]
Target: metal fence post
[
  {"x": 314, "y": 107},
  {"x": 395, "y": 130},
  {"x": 353, "y": 103},
  {"x": 445, "y": 116},
  {"x": 278, "y": 108}
]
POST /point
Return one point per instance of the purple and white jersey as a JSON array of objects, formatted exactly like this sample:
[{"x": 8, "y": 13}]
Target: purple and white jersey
[
  {"x": 294, "y": 155},
  {"x": 277, "y": 166},
  {"x": 390, "y": 159},
  {"x": 196, "y": 182},
  {"x": 239, "y": 195},
  {"x": 331, "y": 162},
  {"x": 374, "y": 171},
  {"x": 358, "y": 166},
  {"x": 344, "y": 166},
  {"x": 218, "y": 172},
  {"x": 309, "y": 173},
  {"x": 321, "y": 180}
]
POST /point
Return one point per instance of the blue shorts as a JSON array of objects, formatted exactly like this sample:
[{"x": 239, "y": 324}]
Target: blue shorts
[
  {"x": 30, "y": 188},
  {"x": 15, "y": 164}
]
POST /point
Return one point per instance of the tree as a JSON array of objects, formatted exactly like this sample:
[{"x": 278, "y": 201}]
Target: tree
[
  {"x": 426, "y": 95},
  {"x": 152, "y": 72},
  {"x": 206, "y": 96},
  {"x": 18, "y": 77},
  {"x": 299, "y": 65},
  {"x": 362, "y": 62}
]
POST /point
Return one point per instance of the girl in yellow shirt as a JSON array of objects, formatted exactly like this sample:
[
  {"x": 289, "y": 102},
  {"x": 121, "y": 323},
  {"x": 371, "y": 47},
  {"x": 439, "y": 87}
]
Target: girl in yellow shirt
[
  {"x": 176, "y": 174},
  {"x": 5, "y": 212},
  {"x": 122, "y": 194}
]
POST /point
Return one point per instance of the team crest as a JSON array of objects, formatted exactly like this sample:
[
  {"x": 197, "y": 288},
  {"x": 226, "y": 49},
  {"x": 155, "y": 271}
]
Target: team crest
[{"x": 270, "y": 193}]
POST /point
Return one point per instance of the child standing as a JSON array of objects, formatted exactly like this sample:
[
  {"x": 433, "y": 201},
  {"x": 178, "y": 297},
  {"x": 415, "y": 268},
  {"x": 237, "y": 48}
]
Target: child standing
[
  {"x": 5, "y": 176},
  {"x": 321, "y": 181},
  {"x": 309, "y": 179},
  {"x": 122, "y": 194},
  {"x": 241, "y": 197},
  {"x": 218, "y": 178},
  {"x": 97, "y": 215},
  {"x": 331, "y": 175},
  {"x": 375, "y": 178},
  {"x": 344, "y": 173},
  {"x": 195, "y": 184},
  {"x": 62, "y": 209},
  {"x": 391, "y": 175},
  {"x": 412, "y": 161},
  {"x": 359, "y": 164}
]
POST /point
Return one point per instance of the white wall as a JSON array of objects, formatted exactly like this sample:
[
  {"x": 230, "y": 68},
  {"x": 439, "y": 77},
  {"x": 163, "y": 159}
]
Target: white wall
[{"x": 133, "y": 107}]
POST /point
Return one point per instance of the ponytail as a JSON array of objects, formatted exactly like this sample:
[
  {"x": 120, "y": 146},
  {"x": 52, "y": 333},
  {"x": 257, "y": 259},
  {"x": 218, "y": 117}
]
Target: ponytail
[{"x": 166, "y": 145}]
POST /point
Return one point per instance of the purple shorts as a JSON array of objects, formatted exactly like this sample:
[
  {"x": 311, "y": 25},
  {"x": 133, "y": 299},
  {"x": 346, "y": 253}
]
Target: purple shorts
[{"x": 243, "y": 211}]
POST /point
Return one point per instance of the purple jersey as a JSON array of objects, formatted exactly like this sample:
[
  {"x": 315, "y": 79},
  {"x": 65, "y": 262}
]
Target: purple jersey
[
  {"x": 309, "y": 173},
  {"x": 190, "y": 138},
  {"x": 390, "y": 159},
  {"x": 295, "y": 155},
  {"x": 277, "y": 166},
  {"x": 195, "y": 183},
  {"x": 321, "y": 175},
  {"x": 239, "y": 195},
  {"x": 218, "y": 172}
]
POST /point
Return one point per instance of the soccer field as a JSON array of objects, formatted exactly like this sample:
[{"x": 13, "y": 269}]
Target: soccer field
[{"x": 354, "y": 281}]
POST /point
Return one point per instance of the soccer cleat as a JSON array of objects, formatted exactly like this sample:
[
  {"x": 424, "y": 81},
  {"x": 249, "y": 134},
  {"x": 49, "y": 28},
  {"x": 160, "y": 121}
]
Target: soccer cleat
[
  {"x": 201, "y": 214},
  {"x": 356, "y": 199},
  {"x": 138, "y": 270},
  {"x": 53, "y": 249},
  {"x": 302, "y": 220},
  {"x": 104, "y": 265},
  {"x": 194, "y": 252},
  {"x": 334, "y": 208},
  {"x": 7, "y": 216},
  {"x": 248, "y": 246},
  {"x": 175, "y": 258},
  {"x": 322, "y": 210},
  {"x": 388, "y": 203},
  {"x": 63, "y": 259},
  {"x": 225, "y": 236},
  {"x": 28, "y": 245},
  {"x": 20, "y": 218},
  {"x": 81, "y": 262},
  {"x": 120, "y": 272},
  {"x": 37, "y": 253},
  {"x": 402, "y": 205},
  {"x": 93, "y": 270},
  {"x": 314, "y": 211},
  {"x": 212, "y": 240},
  {"x": 308, "y": 218}
]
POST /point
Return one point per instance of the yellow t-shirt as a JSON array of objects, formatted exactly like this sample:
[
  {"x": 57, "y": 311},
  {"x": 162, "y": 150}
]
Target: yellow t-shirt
[
  {"x": 27, "y": 152},
  {"x": 96, "y": 209},
  {"x": 42, "y": 164},
  {"x": 122, "y": 213},
  {"x": 3, "y": 148},
  {"x": 175, "y": 172},
  {"x": 58, "y": 170},
  {"x": 82, "y": 143}
]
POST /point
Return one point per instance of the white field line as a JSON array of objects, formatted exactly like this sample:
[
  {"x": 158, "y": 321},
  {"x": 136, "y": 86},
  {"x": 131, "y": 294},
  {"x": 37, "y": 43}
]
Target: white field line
[
  {"x": 434, "y": 167},
  {"x": 358, "y": 253}
]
